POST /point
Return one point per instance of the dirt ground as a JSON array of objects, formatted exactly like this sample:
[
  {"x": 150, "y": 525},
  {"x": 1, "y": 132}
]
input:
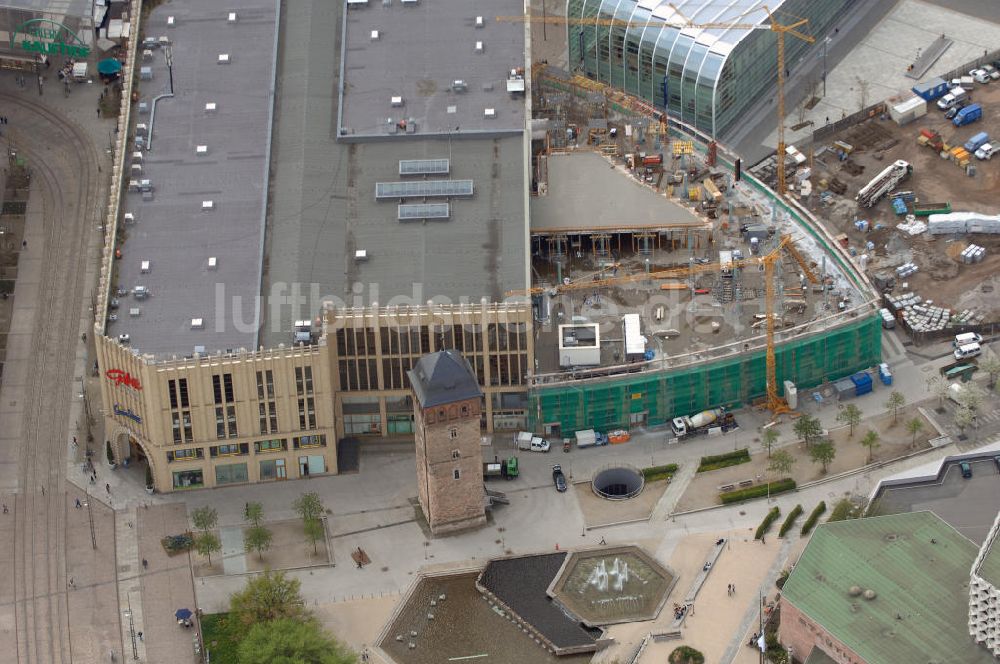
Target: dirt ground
[
  {"x": 357, "y": 623},
  {"x": 941, "y": 277},
  {"x": 703, "y": 491},
  {"x": 598, "y": 511},
  {"x": 289, "y": 550}
]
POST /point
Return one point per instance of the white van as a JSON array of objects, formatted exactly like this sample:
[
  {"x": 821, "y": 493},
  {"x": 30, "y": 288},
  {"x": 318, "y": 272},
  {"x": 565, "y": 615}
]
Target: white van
[
  {"x": 968, "y": 350},
  {"x": 539, "y": 444},
  {"x": 954, "y": 96},
  {"x": 966, "y": 338}
]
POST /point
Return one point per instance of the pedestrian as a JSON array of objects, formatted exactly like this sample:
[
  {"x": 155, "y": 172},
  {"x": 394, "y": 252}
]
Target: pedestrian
[
  {"x": 93, "y": 480},
  {"x": 107, "y": 487},
  {"x": 145, "y": 564},
  {"x": 734, "y": 588},
  {"x": 5, "y": 510},
  {"x": 43, "y": 490},
  {"x": 24, "y": 244},
  {"x": 98, "y": 111},
  {"x": 78, "y": 504},
  {"x": 359, "y": 564},
  {"x": 729, "y": 590},
  {"x": 71, "y": 583},
  {"x": 763, "y": 540},
  {"x": 603, "y": 542},
  {"x": 75, "y": 444},
  {"x": 139, "y": 634}
]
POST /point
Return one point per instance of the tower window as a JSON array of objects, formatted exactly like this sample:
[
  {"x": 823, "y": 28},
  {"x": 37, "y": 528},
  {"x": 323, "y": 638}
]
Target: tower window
[
  {"x": 455, "y": 454},
  {"x": 457, "y": 474},
  {"x": 453, "y": 433}
]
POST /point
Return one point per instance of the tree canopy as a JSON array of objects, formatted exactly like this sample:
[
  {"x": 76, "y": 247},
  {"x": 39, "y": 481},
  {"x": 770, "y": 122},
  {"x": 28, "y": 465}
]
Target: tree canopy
[
  {"x": 286, "y": 641},
  {"x": 269, "y": 596}
]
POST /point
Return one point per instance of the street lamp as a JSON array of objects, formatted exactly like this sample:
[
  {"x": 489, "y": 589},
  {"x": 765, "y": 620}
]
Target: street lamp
[{"x": 826, "y": 42}]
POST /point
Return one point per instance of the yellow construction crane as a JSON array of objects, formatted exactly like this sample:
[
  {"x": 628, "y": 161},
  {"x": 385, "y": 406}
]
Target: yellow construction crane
[
  {"x": 774, "y": 401},
  {"x": 779, "y": 29}
]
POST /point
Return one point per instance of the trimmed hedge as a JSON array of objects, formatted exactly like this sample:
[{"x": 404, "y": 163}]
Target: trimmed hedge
[
  {"x": 686, "y": 655},
  {"x": 813, "y": 518},
  {"x": 765, "y": 525},
  {"x": 654, "y": 473},
  {"x": 790, "y": 520},
  {"x": 842, "y": 511},
  {"x": 739, "y": 495},
  {"x": 724, "y": 460}
]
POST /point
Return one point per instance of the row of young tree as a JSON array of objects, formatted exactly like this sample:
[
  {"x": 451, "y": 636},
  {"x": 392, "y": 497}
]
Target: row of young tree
[
  {"x": 821, "y": 449},
  {"x": 257, "y": 537}
]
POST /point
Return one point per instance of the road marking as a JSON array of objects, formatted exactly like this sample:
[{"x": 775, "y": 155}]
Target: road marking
[{"x": 455, "y": 659}]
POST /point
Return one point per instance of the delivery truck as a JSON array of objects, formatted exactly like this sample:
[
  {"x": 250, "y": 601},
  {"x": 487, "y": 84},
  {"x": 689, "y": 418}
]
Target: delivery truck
[{"x": 590, "y": 438}]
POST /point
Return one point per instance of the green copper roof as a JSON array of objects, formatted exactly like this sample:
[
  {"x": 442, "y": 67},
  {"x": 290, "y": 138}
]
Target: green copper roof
[{"x": 917, "y": 565}]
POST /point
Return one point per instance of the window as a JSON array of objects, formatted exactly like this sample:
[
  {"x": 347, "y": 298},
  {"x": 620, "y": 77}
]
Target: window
[
  {"x": 188, "y": 479},
  {"x": 465, "y": 411},
  {"x": 188, "y": 432},
  {"x": 172, "y": 391},
  {"x": 298, "y": 380},
  {"x": 262, "y": 414},
  {"x": 226, "y": 450},
  {"x": 176, "y": 426},
  {"x": 231, "y": 420},
  {"x": 273, "y": 445},
  {"x": 260, "y": 385},
  {"x": 453, "y": 433},
  {"x": 456, "y": 454},
  {"x": 308, "y": 371},
  {"x": 183, "y": 385},
  {"x": 217, "y": 388},
  {"x": 232, "y": 473},
  {"x": 220, "y": 423},
  {"x": 457, "y": 474},
  {"x": 272, "y": 469},
  {"x": 269, "y": 375},
  {"x": 311, "y": 465},
  {"x": 302, "y": 413},
  {"x": 186, "y": 455},
  {"x": 316, "y": 440},
  {"x": 273, "y": 412},
  {"x": 227, "y": 383},
  {"x": 311, "y": 412}
]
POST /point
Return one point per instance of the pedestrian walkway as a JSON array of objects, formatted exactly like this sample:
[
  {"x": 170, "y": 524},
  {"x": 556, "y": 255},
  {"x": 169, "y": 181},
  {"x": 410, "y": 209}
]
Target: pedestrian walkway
[{"x": 165, "y": 584}]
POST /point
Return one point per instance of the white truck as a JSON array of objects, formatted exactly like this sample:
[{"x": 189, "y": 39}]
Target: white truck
[
  {"x": 590, "y": 438},
  {"x": 528, "y": 441},
  {"x": 714, "y": 418}
]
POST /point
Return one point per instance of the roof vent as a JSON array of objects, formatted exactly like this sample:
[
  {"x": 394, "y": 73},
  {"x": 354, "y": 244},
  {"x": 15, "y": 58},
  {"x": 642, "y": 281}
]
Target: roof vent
[
  {"x": 224, "y": 59},
  {"x": 170, "y": 21},
  {"x": 452, "y": 110},
  {"x": 207, "y": 205},
  {"x": 213, "y": 262},
  {"x": 480, "y": 22},
  {"x": 396, "y": 101},
  {"x": 231, "y": 18},
  {"x": 490, "y": 113},
  {"x": 479, "y": 47},
  {"x": 211, "y": 107},
  {"x": 145, "y": 73},
  {"x": 144, "y": 267},
  {"x": 201, "y": 150},
  {"x": 197, "y": 323},
  {"x": 374, "y": 35},
  {"x": 129, "y": 218},
  {"x": 360, "y": 255}
]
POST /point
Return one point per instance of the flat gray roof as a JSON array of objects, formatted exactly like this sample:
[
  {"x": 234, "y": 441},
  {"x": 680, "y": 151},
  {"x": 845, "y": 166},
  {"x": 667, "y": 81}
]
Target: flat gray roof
[
  {"x": 422, "y": 48},
  {"x": 323, "y": 207},
  {"x": 172, "y": 231},
  {"x": 585, "y": 193}
]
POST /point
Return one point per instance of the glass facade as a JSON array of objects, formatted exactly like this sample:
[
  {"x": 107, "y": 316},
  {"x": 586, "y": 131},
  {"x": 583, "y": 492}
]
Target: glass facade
[{"x": 707, "y": 77}]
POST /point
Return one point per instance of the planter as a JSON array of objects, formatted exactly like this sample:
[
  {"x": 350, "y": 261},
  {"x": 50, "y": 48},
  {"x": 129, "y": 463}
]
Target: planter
[{"x": 150, "y": 490}]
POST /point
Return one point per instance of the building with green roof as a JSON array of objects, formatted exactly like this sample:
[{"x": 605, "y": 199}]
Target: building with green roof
[
  {"x": 882, "y": 590},
  {"x": 984, "y": 593}
]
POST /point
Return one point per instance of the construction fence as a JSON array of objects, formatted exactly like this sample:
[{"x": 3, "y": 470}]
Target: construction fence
[{"x": 653, "y": 399}]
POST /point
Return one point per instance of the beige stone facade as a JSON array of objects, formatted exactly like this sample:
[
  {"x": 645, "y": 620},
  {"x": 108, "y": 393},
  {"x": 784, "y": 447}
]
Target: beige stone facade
[
  {"x": 277, "y": 414},
  {"x": 218, "y": 420},
  {"x": 372, "y": 348}
]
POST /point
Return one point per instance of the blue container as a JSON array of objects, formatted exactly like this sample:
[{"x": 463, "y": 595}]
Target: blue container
[
  {"x": 884, "y": 374},
  {"x": 862, "y": 383}
]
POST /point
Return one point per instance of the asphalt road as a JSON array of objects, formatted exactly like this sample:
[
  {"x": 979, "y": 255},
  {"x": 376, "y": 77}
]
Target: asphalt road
[{"x": 38, "y": 392}]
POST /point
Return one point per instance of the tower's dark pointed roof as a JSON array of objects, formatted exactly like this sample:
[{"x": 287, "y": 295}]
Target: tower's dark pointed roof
[{"x": 443, "y": 377}]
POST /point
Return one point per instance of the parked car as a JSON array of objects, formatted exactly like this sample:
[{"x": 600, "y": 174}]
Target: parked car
[
  {"x": 992, "y": 71},
  {"x": 986, "y": 151},
  {"x": 966, "y": 469},
  {"x": 558, "y": 478},
  {"x": 953, "y": 111},
  {"x": 980, "y": 75},
  {"x": 539, "y": 445}
]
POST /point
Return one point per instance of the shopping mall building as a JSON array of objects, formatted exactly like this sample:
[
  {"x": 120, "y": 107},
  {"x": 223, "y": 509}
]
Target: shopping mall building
[{"x": 212, "y": 383}]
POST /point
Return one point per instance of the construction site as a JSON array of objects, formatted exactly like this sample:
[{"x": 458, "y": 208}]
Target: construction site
[
  {"x": 926, "y": 232},
  {"x": 664, "y": 278}
]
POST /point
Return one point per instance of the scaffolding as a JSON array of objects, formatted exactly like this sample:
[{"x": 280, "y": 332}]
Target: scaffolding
[{"x": 654, "y": 398}]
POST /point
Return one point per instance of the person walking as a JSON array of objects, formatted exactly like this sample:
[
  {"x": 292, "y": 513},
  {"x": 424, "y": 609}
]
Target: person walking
[
  {"x": 107, "y": 487},
  {"x": 78, "y": 504},
  {"x": 145, "y": 564},
  {"x": 5, "y": 510}
]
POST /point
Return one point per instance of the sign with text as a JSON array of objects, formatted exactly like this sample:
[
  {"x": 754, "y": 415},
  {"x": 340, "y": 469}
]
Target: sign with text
[
  {"x": 127, "y": 412},
  {"x": 120, "y": 377},
  {"x": 47, "y": 37}
]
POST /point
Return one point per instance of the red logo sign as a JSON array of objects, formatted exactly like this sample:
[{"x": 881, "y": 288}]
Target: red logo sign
[{"x": 119, "y": 377}]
